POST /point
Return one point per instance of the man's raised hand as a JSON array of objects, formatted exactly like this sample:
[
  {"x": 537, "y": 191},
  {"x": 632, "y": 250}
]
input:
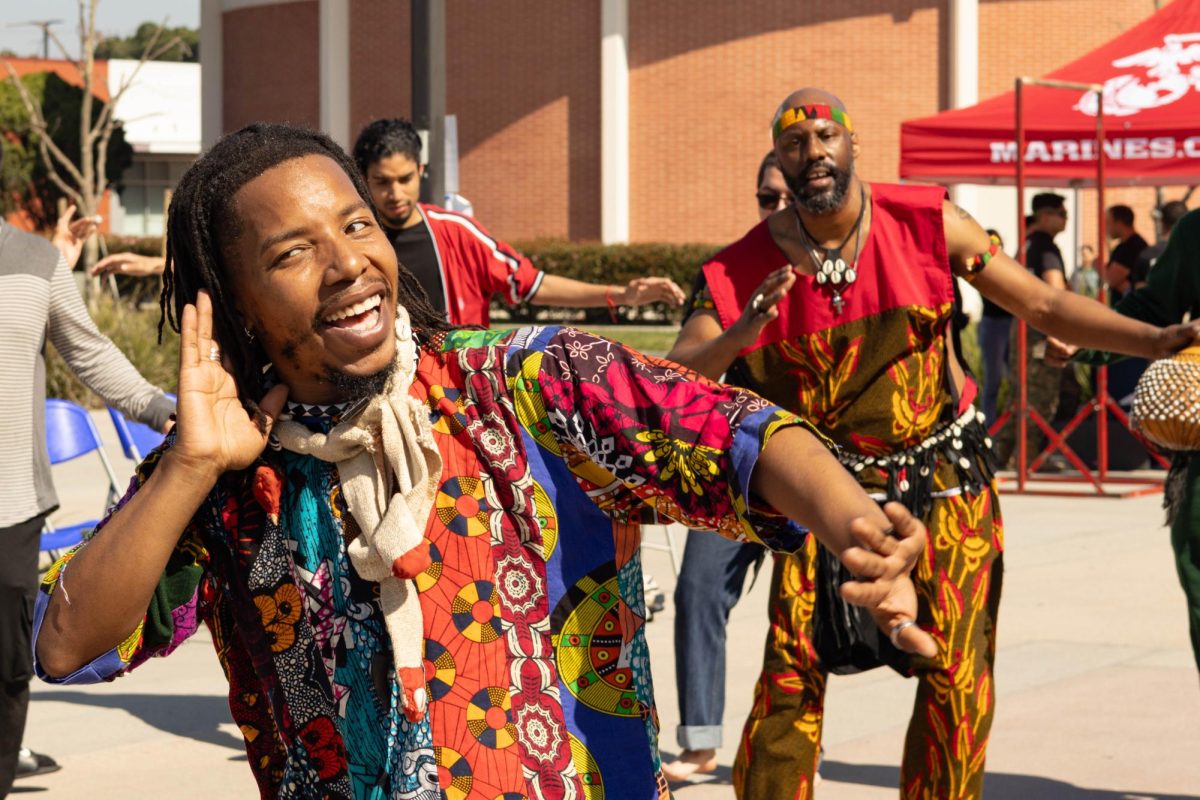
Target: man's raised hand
[
  {"x": 641, "y": 291},
  {"x": 883, "y": 561},
  {"x": 763, "y": 305},
  {"x": 216, "y": 433}
]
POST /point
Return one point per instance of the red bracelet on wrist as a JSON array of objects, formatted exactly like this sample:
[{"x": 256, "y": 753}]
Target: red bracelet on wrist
[{"x": 612, "y": 306}]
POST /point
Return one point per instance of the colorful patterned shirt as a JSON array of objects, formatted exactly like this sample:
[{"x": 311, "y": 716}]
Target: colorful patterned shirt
[{"x": 552, "y": 441}]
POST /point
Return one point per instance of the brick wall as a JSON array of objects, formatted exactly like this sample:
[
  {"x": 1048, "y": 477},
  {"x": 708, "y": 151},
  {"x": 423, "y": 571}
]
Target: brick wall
[
  {"x": 380, "y": 61},
  {"x": 523, "y": 77},
  {"x": 706, "y": 79},
  {"x": 270, "y": 69}
]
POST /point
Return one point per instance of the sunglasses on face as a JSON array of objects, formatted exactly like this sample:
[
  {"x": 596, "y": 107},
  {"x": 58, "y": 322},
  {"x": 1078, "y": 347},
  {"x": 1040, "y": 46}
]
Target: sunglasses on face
[{"x": 771, "y": 199}]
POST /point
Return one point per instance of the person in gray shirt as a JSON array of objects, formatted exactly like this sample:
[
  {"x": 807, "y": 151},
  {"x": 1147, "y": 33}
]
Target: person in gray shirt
[{"x": 40, "y": 302}]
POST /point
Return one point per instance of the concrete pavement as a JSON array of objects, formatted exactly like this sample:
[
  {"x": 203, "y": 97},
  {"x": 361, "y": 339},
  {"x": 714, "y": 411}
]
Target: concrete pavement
[{"x": 1097, "y": 695}]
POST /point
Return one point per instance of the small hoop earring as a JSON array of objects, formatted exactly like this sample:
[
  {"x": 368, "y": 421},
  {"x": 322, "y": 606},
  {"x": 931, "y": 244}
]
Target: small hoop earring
[{"x": 249, "y": 335}]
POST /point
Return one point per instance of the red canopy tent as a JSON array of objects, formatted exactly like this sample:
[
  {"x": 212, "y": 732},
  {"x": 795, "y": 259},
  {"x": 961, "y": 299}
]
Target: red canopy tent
[{"x": 1151, "y": 78}]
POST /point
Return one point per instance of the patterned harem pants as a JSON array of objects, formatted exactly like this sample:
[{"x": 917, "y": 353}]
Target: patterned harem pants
[{"x": 958, "y": 584}]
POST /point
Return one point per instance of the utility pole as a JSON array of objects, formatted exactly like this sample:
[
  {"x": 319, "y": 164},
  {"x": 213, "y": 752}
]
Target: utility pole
[
  {"x": 44, "y": 24},
  {"x": 429, "y": 92}
]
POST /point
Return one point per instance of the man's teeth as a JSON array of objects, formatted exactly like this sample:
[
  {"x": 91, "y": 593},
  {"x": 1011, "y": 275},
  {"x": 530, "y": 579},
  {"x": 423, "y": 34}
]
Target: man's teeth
[{"x": 354, "y": 310}]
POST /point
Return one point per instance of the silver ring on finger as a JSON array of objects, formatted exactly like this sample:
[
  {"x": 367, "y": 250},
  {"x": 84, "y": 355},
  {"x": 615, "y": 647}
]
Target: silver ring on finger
[
  {"x": 756, "y": 303},
  {"x": 895, "y": 632},
  {"x": 214, "y": 353}
]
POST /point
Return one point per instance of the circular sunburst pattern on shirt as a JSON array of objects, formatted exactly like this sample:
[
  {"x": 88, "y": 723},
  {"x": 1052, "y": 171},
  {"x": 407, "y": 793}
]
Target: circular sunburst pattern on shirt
[
  {"x": 476, "y": 612},
  {"x": 489, "y": 718},
  {"x": 447, "y": 407},
  {"x": 463, "y": 507},
  {"x": 440, "y": 669},
  {"x": 429, "y": 577},
  {"x": 454, "y": 773}
]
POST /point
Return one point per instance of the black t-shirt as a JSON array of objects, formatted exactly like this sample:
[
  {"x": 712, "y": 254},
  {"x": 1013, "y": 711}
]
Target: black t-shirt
[
  {"x": 990, "y": 309},
  {"x": 1145, "y": 262},
  {"x": 416, "y": 252},
  {"x": 1042, "y": 254},
  {"x": 1126, "y": 254}
]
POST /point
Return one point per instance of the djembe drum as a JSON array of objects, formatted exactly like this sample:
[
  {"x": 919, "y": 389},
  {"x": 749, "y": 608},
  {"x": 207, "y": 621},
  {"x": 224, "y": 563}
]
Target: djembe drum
[{"x": 1166, "y": 402}]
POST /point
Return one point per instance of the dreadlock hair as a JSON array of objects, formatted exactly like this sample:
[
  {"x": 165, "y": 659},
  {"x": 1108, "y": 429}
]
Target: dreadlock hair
[
  {"x": 202, "y": 223},
  {"x": 386, "y": 137}
]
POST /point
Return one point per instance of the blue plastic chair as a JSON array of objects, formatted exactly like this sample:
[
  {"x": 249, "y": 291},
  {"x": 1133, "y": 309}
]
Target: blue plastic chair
[
  {"x": 70, "y": 433},
  {"x": 137, "y": 440}
]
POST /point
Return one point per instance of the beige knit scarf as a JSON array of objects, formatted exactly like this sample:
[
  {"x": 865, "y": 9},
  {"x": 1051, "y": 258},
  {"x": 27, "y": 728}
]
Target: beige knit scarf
[{"x": 389, "y": 468}]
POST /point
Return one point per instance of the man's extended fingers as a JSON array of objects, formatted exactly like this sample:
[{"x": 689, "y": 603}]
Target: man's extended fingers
[
  {"x": 872, "y": 538},
  {"x": 670, "y": 291},
  {"x": 912, "y": 639},
  {"x": 904, "y": 527},
  {"x": 865, "y": 564},
  {"x": 865, "y": 593},
  {"x": 83, "y": 227},
  {"x": 904, "y": 524},
  {"x": 204, "y": 321},
  {"x": 189, "y": 350},
  {"x": 110, "y": 263},
  {"x": 64, "y": 222}
]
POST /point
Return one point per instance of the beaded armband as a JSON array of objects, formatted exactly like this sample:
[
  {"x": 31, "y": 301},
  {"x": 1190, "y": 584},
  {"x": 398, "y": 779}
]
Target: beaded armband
[{"x": 976, "y": 264}]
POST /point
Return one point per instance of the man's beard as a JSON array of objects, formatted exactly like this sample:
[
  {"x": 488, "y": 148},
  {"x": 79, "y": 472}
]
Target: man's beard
[
  {"x": 354, "y": 387},
  {"x": 397, "y": 223},
  {"x": 823, "y": 202}
]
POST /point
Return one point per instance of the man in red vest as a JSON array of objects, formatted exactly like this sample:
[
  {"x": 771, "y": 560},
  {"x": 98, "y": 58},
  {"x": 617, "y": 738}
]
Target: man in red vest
[{"x": 839, "y": 308}]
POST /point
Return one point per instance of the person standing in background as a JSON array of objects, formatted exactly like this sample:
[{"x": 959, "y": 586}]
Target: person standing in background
[
  {"x": 1120, "y": 273},
  {"x": 459, "y": 264},
  {"x": 993, "y": 333},
  {"x": 1045, "y": 261},
  {"x": 709, "y": 586},
  {"x": 1085, "y": 280},
  {"x": 40, "y": 304}
]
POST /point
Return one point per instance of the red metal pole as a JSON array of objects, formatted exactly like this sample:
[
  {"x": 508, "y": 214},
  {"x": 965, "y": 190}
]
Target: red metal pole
[
  {"x": 1102, "y": 372},
  {"x": 1021, "y": 417}
]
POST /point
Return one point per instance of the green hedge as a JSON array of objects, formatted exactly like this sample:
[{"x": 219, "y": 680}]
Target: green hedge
[{"x": 618, "y": 264}]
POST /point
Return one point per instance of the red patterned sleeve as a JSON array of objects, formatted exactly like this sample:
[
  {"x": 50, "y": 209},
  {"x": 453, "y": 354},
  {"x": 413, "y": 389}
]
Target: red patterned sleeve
[{"x": 680, "y": 443}]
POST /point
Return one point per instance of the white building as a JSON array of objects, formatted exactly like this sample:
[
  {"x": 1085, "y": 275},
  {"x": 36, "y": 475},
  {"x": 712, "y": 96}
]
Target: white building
[{"x": 160, "y": 112}]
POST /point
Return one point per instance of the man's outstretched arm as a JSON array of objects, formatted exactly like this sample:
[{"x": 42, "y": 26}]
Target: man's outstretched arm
[{"x": 1057, "y": 312}]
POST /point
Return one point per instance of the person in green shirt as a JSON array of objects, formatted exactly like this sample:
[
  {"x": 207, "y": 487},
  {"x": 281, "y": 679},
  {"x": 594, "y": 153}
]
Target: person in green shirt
[{"x": 1170, "y": 294}]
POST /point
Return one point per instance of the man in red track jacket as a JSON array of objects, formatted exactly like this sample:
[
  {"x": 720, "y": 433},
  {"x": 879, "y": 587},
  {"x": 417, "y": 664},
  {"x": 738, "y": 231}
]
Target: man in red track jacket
[{"x": 458, "y": 263}]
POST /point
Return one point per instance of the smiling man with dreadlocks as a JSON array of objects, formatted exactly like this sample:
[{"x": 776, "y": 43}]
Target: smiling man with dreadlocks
[
  {"x": 416, "y": 548},
  {"x": 839, "y": 308}
]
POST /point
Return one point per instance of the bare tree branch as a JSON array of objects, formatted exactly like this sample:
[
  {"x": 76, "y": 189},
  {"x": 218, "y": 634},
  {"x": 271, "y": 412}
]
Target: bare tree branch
[
  {"x": 65, "y": 187},
  {"x": 62, "y": 48}
]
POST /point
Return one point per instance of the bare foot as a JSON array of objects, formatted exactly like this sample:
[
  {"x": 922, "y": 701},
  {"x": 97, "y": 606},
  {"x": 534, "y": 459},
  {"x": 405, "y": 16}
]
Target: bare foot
[{"x": 689, "y": 763}]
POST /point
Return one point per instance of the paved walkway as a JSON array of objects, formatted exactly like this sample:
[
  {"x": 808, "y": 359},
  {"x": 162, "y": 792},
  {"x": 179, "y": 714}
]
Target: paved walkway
[{"x": 1098, "y": 698}]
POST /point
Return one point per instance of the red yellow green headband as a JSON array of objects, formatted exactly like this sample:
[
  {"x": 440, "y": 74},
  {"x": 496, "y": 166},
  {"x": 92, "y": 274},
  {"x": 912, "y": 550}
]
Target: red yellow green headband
[{"x": 787, "y": 116}]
